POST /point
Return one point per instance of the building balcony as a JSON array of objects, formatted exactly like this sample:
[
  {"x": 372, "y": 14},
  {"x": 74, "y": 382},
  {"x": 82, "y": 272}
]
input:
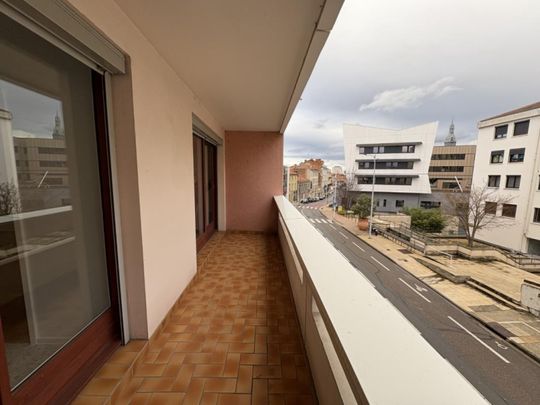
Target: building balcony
[
  {"x": 233, "y": 336},
  {"x": 279, "y": 319}
]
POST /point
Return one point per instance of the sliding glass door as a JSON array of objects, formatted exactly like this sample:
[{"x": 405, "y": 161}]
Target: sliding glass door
[
  {"x": 205, "y": 180},
  {"x": 58, "y": 308}
]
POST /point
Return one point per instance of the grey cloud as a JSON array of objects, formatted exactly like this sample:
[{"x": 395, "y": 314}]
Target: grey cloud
[{"x": 379, "y": 46}]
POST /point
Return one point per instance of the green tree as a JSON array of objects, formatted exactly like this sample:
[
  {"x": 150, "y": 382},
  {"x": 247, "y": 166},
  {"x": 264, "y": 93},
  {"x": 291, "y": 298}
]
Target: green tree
[
  {"x": 362, "y": 207},
  {"x": 426, "y": 220}
]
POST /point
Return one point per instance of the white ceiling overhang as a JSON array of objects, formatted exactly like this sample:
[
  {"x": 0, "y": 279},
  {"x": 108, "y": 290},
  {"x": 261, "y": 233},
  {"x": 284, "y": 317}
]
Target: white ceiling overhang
[{"x": 248, "y": 61}]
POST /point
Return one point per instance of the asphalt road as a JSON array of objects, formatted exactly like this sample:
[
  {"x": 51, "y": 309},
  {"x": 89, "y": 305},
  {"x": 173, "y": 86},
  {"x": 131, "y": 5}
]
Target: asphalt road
[{"x": 501, "y": 372}]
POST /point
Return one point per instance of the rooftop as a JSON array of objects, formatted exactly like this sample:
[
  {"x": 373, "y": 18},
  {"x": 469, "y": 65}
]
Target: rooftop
[{"x": 528, "y": 107}]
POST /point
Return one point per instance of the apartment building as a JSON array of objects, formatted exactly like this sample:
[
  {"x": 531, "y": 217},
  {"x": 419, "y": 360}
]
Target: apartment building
[
  {"x": 293, "y": 187},
  {"x": 400, "y": 160},
  {"x": 507, "y": 163},
  {"x": 155, "y": 143},
  {"x": 173, "y": 132}
]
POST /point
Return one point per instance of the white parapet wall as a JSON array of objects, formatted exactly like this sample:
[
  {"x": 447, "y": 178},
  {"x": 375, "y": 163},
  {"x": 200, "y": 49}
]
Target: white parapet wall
[{"x": 387, "y": 362}]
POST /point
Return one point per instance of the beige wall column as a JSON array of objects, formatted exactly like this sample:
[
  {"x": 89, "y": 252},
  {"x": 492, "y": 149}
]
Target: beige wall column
[{"x": 253, "y": 170}]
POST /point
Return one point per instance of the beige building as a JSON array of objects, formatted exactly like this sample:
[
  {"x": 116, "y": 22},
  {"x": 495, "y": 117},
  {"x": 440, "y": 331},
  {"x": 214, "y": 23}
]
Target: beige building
[
  {"x": 293, "y": 187},
  {"x": 451, "y": 165}
]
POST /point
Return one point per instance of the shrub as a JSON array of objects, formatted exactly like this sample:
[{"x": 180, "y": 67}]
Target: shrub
[
  {"x": 426, "y": 220},
  {"x": 362, "y": 206}
]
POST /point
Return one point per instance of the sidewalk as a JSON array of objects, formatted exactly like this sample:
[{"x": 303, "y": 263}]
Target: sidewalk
[{"x": 522, "y": 329}]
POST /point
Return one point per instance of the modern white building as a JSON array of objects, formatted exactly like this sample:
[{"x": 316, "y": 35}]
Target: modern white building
[
  {"x": 507, "y": 161},
  {"x": 401, "y": 159}
]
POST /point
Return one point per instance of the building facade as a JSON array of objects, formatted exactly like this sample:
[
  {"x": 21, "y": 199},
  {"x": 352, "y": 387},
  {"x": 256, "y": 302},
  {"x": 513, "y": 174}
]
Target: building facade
[
  {"x": 400, "y": 160},
  {"x": 507, "y": 163}
]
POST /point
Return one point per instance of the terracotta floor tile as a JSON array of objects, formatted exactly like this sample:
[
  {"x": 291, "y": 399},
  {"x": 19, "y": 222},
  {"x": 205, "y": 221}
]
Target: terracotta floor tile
[
  {"x": 90, "y": 400},
  {"x": 184, "y": 378},
  {"x": 135, "y": 345},
  {"x": 231, "y": 365},
  {"x": 148, "y": 370},
  {"x": 100, "y": 386},
  {"x": 194, "y": 392},
  {"x": 259, "y": 359},
  {"x": 123, "y": 357},
  {"x": 126, "y": 391},
  {"x": 244, "y": 381},
  {"x": 233, "y": 337},
  {"x": 158, "y": 384},
  {"x": 166, "y": 398},
  {"x": 140, "y": 398},
  {"x": 234, "y": 399},
  {"x": 241, "y": 347},
  {"x": 209, "y": 398},
  {"x": 266, "y": 371},
  {"x": 220, "y": 385},
  {"x": 112, "y": 370},
  {"x": 260, "y": 392},
  {"x": 209, "y": 370}
]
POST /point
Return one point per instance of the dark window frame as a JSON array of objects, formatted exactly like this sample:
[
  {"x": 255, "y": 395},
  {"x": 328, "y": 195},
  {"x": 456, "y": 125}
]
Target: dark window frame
[
  {"x": 519, "y": 124},
  {"x": 496, "y": 153},
  {"x": 509, "y": 210},
  {"x": 489, "y": 211},
  {"x": 516, "y": 155},
  {"x": 536, "y": 215},
  {"x": 497, "y": 180},
  {"x": 499, "y": 134},
  {"x": 513, "y": 182}
]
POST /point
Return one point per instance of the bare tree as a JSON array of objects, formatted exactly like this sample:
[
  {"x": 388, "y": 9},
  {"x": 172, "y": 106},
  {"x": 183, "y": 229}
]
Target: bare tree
[
  {"x": 9, "y": 199},
  {"x": 347, "y": 190},
  {"x": 477, "y": 210}
]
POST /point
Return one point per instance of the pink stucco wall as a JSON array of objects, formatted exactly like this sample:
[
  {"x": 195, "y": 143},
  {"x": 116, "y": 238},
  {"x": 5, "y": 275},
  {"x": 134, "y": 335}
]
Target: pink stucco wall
[{"x": 253, "y": 175}]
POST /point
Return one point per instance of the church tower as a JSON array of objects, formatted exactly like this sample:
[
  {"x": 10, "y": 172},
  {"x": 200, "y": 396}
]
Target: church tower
[
  {"x": 58, "y": 131},
  {"x": 450, "y": 139}
]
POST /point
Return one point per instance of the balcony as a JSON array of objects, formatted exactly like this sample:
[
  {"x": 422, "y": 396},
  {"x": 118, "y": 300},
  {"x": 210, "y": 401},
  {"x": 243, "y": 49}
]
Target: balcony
[
  {"x": 233, "y": 336},
  {"x": 280, "y": 318}
]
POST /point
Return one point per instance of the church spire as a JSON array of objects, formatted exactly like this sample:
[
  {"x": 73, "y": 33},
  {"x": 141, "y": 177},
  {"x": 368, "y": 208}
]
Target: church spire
[
  {"x": 58, "y": 131},
  {"x": 450, "y": 139}
]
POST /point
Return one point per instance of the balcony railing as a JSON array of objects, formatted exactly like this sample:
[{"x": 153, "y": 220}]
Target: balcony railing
[{"x": 361, "y": 349}]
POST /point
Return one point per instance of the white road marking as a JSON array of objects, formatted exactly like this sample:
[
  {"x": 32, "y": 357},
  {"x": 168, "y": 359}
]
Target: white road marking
[
  {"x": 380, "y": 264},
  {"x": 412, "y": 288},
  {"x": 358, "y": 247},
  {"x": 331, "y": 226},
  {"x": 501, "y": 346},
  {"x": 420, "y": 288},
  {"x": 318, "y": 221},
  {"x": 479, "y": 340},
  {"x": 342, "y": 234},
  {"x": 323, "y": 221},
  {"x": 312, "y": 220}
]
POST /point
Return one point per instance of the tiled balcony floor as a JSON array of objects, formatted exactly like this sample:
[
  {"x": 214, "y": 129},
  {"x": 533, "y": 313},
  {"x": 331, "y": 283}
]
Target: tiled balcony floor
[{"x": 233, "y": 337}]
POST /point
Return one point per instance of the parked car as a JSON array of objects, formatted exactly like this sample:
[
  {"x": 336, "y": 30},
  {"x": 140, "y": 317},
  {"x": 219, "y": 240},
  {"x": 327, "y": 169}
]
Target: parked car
[{"x": 304, "y": 201}]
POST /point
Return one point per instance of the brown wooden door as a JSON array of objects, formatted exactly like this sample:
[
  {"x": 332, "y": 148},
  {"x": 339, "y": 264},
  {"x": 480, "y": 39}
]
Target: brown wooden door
[
  {"x": 205, "y": 183},
  {"x": 59, "y": 313}
]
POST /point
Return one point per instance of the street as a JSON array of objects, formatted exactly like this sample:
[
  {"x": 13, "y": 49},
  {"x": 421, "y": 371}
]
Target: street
[{"x": 501, "y": 372}]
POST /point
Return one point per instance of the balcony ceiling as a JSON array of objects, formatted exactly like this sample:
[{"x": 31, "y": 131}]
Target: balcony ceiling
[{"x": 246, "y": 60}]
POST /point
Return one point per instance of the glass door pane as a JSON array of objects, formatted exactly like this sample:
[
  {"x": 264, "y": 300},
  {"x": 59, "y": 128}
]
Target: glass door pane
[
  {"x": 53, "y": 270},
  {"x": 204, "y": 168}
]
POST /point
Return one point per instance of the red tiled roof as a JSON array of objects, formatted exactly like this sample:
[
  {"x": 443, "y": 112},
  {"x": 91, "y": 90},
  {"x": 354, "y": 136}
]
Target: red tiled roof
[{"x": 528, "y": 107}]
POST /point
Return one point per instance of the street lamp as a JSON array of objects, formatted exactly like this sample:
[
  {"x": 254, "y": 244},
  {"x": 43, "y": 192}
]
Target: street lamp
[
  {"x": 374, "y": 156},
  {"x": 372, "y": 196}
]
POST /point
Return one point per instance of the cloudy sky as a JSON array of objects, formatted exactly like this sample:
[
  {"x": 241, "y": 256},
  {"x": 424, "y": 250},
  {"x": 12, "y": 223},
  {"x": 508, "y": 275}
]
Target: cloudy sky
[
  {"x": 399, "y": 63},
  {"x": 33, "y": 113}
]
